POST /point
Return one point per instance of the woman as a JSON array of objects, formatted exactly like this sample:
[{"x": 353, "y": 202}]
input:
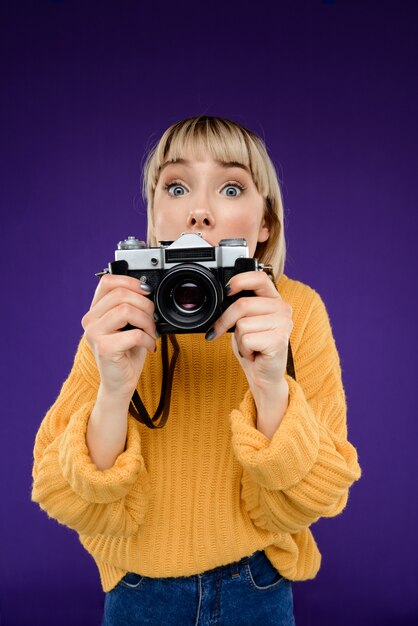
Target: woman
[{"x": 207, "y": 518}]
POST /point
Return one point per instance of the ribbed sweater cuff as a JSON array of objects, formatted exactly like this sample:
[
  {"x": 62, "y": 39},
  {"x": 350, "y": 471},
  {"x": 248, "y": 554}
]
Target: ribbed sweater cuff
[
  {"x": 284, "y": 460},
  {"x": 81, "y": 473}
]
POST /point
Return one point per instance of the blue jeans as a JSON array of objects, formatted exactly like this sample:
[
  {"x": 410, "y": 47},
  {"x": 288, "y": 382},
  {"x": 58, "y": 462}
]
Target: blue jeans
[{"x": 245, "y": 593}]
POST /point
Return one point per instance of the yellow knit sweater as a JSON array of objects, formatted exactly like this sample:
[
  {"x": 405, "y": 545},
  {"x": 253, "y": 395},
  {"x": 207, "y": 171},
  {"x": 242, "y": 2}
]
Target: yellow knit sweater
[{"x": 208, "y": 488}]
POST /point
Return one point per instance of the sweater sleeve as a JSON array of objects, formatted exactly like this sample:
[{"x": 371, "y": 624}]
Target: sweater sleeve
[
  {"x": 305, "y": 471},
  {"x": 66, "y": 482}
]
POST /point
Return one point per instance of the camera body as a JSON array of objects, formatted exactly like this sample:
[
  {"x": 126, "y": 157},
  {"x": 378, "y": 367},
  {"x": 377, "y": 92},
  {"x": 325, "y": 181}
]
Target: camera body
[{"x": 187, "y": 278}]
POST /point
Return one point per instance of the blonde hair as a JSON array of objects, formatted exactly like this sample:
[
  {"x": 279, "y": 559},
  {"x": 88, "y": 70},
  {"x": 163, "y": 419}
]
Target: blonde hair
[{"x": 226, "y": 141}]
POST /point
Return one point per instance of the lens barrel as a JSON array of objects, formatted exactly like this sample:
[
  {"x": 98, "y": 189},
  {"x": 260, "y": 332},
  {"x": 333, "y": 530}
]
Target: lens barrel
[{"x": 188, "y": 296}]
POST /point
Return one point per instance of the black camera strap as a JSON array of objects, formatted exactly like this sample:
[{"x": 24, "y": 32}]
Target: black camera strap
[
  {"x": 290, "y": 367},
  {"x": 137, "y": 408}
]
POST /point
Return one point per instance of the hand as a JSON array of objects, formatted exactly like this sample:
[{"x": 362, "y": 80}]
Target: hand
[
  {"x": 262, "y": 329},
  {"x": 120, "y": 355}
]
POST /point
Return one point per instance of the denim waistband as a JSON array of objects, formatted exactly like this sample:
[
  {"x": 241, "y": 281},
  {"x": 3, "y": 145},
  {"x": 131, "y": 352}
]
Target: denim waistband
[{"x": 232, "y": 570}]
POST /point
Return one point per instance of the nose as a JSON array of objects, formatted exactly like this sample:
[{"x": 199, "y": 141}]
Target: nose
[{"x": 200, "y": 218}]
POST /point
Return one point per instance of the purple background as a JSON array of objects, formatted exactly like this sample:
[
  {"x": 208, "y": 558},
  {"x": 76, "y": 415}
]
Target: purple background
[{"x": 332, "y": 87}]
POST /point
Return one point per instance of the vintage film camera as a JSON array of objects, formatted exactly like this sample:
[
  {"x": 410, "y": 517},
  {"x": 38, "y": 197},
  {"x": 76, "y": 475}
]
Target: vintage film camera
[{"x": 187, "y": 278}]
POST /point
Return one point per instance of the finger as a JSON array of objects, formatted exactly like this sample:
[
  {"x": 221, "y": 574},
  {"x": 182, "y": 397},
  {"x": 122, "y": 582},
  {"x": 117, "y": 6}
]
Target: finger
[
  {"x": 250, "y": 332},
  {"x": 110, "y": 346},
  {"x": 262, "y": 323},
  {"x": 259, "y": 282},
  {"x": 112, "y": 281},
  {"x": 269, "y": 343},
  {"x": 118, "y": 317},
  {"x": 115, "y": 297},
  {"x": 247, "y": 307}
]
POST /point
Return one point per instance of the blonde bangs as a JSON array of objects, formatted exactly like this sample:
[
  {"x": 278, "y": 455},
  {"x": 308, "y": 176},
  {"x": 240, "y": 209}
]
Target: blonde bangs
[{"x": 226, "y": 142}]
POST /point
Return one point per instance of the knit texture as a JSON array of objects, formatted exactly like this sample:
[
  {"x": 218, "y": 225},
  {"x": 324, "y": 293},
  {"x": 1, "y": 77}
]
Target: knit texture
[{"x": 208, "y": 488}]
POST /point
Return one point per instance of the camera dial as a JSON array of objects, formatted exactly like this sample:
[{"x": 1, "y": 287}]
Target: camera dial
[{"x": 132, "y": 243}]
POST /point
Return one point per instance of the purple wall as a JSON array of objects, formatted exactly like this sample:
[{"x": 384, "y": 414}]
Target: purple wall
[{"x": 332, "y": 86}]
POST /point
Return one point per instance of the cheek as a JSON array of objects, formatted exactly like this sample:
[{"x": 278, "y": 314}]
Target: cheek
[
  {"x": 158, "y": 221},
  {"x": 158, "y": 211},
  {"x": 246, "y": 224},
  {"x": 167, "y": 224}
]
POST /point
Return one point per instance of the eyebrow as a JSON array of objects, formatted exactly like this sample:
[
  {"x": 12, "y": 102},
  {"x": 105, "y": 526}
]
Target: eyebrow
[{"x": 224, "y": 165}]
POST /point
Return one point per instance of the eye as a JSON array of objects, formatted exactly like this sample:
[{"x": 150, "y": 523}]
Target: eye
[
  {"x": 175, "y": 189},
  {"x": 233, "y": 190}
]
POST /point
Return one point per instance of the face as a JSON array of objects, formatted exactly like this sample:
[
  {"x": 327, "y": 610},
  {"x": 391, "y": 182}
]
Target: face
[{"x": 219, "y": 200}]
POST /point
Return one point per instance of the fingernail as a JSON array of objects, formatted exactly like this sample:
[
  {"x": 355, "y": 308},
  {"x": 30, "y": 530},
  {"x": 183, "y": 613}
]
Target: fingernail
[
  {"x": 145, "y": 287},
  {"x": 157, "y": 334},
  {"x": 227, "y": 289},
  {"x": 210, "y": 334}
]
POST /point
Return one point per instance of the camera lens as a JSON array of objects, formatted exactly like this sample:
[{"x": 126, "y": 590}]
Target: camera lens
[{"x": 188, "y": 296}]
